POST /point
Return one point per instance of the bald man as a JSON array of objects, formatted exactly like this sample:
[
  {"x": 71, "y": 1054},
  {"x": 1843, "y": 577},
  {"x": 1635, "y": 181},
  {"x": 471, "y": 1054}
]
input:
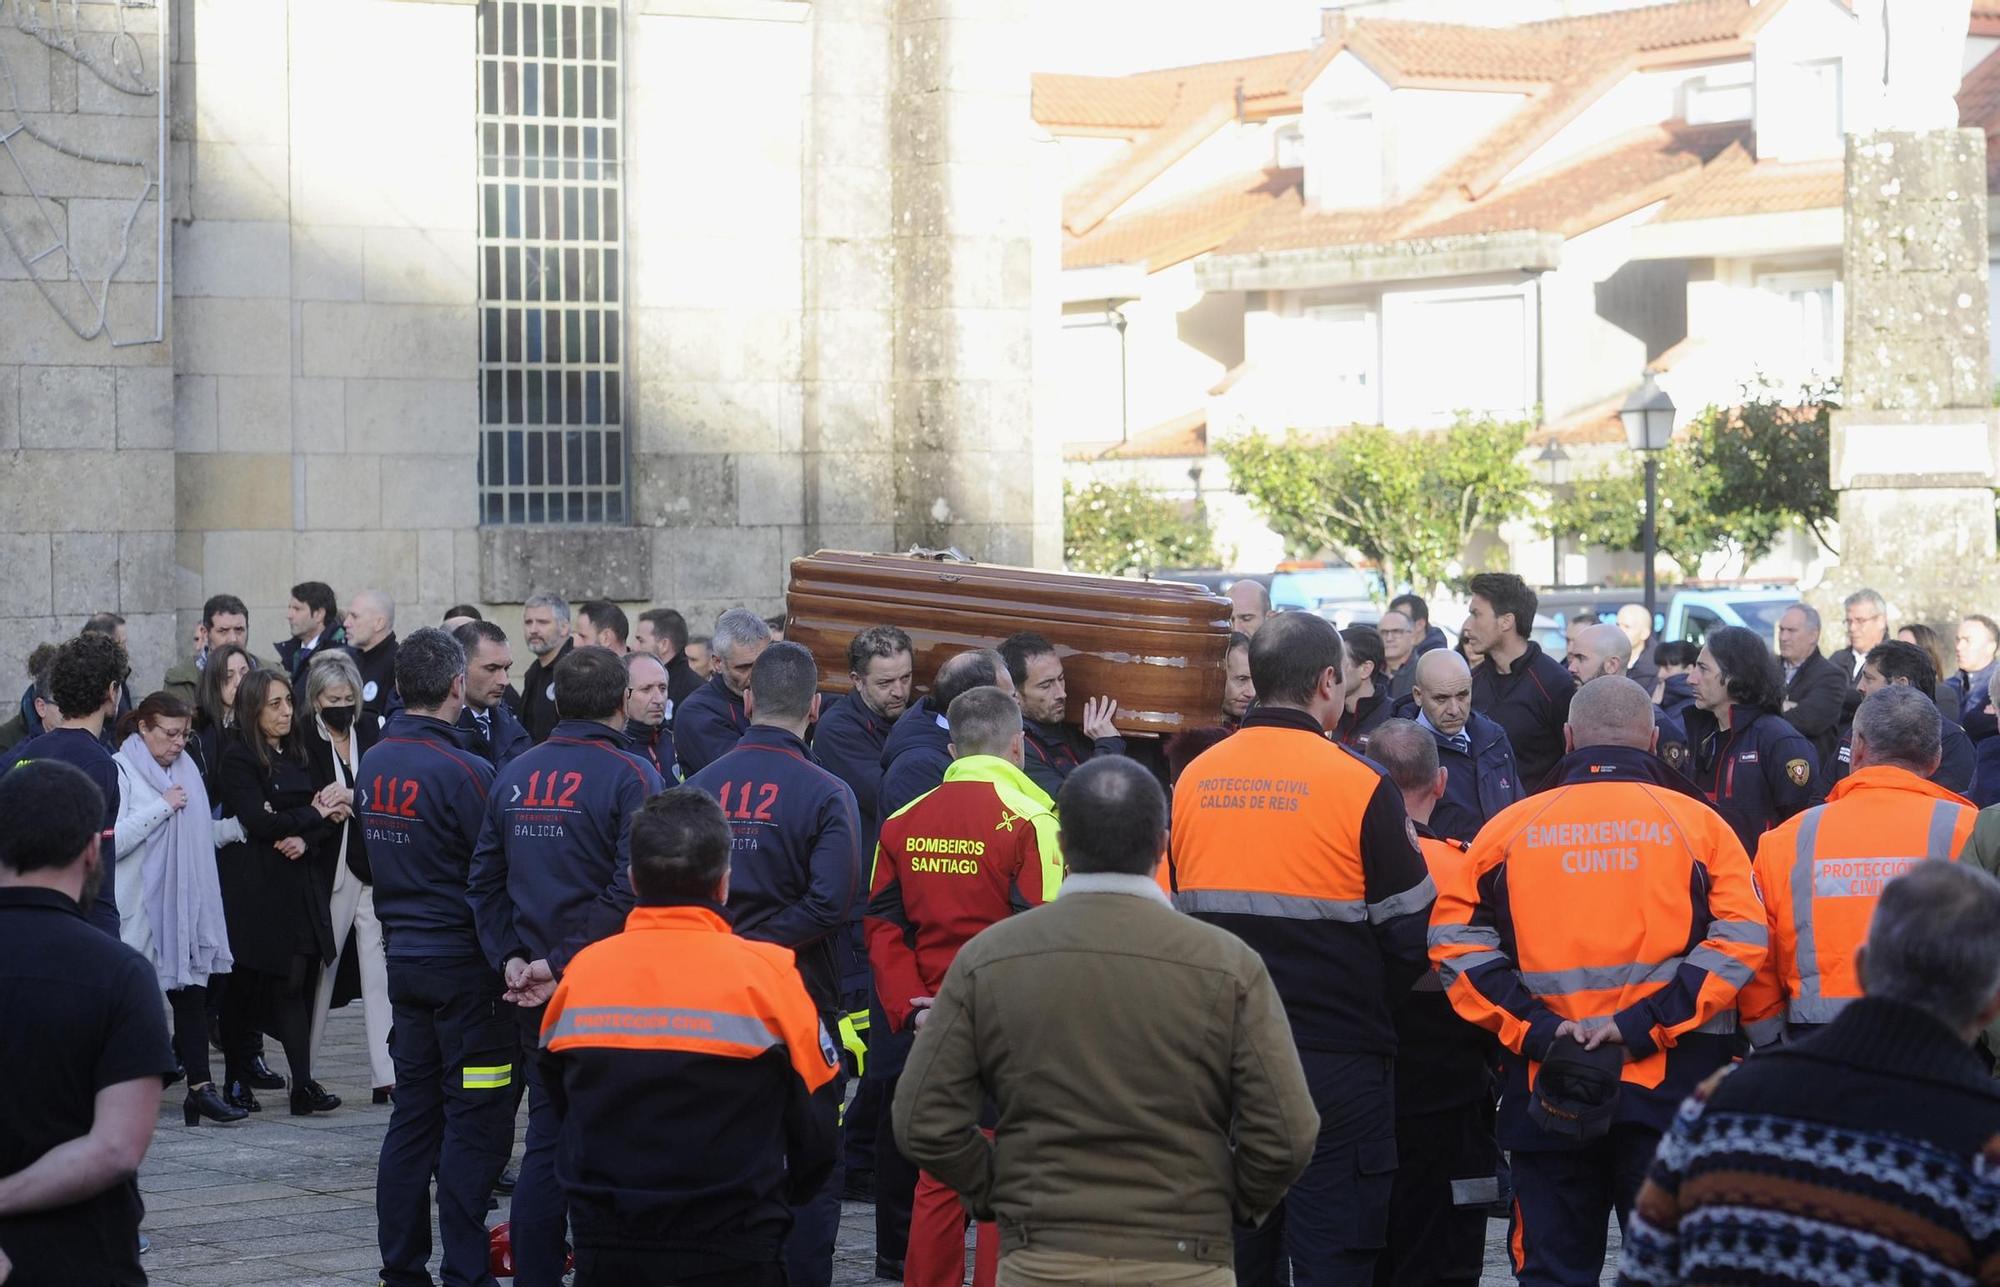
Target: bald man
[
  {"x": 1478, "y": 761},
  {"x": 371, "y": 636},
  {"x": 1604, "y": 650},
  {"x": 1637, "y": 625},
  {"x": 1249, "y": 605}
]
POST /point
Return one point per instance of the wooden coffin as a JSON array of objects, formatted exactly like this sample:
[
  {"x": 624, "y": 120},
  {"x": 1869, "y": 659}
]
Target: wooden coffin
[{"x": 1155, "y": 646}]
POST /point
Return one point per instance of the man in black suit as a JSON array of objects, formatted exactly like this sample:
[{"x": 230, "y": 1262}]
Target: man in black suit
[
  {"x": 1867, "y": 625},
  {"x": 1815, "y": 689}
]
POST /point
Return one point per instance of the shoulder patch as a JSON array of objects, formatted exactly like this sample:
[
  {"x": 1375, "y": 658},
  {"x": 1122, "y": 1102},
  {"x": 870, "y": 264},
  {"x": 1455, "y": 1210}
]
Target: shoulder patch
[
  {"x": 1410, "y": 829},
  {"x": 1674, "y": 753},
  {"x": 1798, "y": 771}
]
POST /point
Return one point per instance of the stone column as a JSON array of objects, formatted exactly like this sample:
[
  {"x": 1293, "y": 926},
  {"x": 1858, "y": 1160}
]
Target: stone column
[{"x": 1916, "y": 450}]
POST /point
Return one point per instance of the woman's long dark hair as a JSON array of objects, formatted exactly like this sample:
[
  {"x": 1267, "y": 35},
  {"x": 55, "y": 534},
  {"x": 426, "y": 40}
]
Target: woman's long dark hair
[
  {"x": 208, "y": 704},
  {"x": 156, "y": 707},
  {"x": 250, "y": 698},
  {"x": 1748, "y": 668}
]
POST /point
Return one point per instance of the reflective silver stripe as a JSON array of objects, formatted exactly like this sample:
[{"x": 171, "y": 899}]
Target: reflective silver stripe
[
  {"x": 1763, "y": 1032},
  {"x": 1739, "y": 932},
  {"x": 1252, "y": 902},
  {"x": 1720, "y": 964},
  {"x": 1722, "y": 1024},
  {"x": 623, "y": 1020},
  {"x": 1472, "y": 935},
  {"x": 1412, "y": 900},
  {"x": 1815, "y": 1009},
  {"x": 1451, "y": 968},
  {"x": 1598, "y": 978},
  {"x": 1944, "y": 821},
  {"x": 1804, "y": 949}
]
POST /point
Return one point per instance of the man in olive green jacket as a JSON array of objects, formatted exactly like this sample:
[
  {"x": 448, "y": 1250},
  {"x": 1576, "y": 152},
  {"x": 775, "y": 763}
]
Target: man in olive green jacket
[{"x": 1124, "y": 1045}]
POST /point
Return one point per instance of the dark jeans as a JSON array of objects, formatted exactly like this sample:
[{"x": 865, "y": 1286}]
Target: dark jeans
[
  {"x": 280, "y": 1005},
  {"x": 1334, "y": 1222},
  {"x": 540, "y": 1214},
  {"x": 626, "y": 1268},
  {"x": 190, "y": 1007},
  {"x": 455, "y": 1045},
  {"x": 1564, "y": 1199}
]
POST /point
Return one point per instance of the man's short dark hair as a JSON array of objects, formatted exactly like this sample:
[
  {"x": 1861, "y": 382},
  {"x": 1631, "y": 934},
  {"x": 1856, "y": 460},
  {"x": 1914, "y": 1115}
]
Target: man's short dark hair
[
  {"x": 84, "y": 670},
  {"x": 983, "y": 722},
  {"x": 1509, "y": 595},
  {"x": 41, "y": 663},
  {"x": 963, "y": 673},
  {"x": 462, "y": 610},
  {"x": 1585, "y": 618},
  {"x": 590, "y": 684},
  {"x": 1288, "y": 656},
  {"x": 706, "y": 641},
  {"x": 1896, "y": 660},
  {"x": 782, "y": 682},
  {"x": 473, "y": 633},
  {"x": 103, "y": 623},
  {"x": 1413, "y": 607},
  {"x": 1237, "y": 639},
  {"x": 668, "y": 625},
  {"x": 1017, "y": 648},
  {"x": 50, "y": 812},
  {"x": 680, "y": 846},
  {"x": 876, "y": 641},
  {"x": 1408, "y": 751},
  {"x": 1113, "y": 817},
  {"x": 1749, "y": 671},
  {"x": 1364, "y": 643},
  {"x": 1676, "y": 652},
  {"x": 223, "y": 605},
  {"x": 427, "y": 661},
  {"x": 606, "y": 615},
  {"x": 318, "y": 597}
]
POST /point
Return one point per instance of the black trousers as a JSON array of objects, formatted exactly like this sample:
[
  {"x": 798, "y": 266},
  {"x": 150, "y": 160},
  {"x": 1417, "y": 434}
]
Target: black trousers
[
  {"x": 1445, "y": 1165},
  {"x": 190, "y": 1007},
  {"x": 1332, "y": 1225},
  {"x": 895, "y": 1178},
  {"x": 280, "y": 1005},
  {"x": 1564, "y": 1199},
  {"x": 599, "y": 1267}
]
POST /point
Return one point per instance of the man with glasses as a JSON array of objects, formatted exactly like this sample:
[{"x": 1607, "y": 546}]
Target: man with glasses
[
  {"x": 1399, "y": 651},
  {"x": 1867, "y": 625}
]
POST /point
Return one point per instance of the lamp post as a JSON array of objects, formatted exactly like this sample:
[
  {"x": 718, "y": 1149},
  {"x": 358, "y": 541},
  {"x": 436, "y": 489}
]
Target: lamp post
[
  {"x": 1649, "y": 425},
  {"x": 1557, "y": 461}
]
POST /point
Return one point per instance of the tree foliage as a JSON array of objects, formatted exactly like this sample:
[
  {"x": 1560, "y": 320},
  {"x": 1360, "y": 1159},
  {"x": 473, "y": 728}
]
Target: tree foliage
[
  {"x": 1741, "y": 478},
  {"x": 1407, "y": 501},
  {"x": 1112, "y": 528}
]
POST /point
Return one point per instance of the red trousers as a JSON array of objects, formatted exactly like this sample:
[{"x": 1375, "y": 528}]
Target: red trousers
[{"x": 937, "y": 1240}]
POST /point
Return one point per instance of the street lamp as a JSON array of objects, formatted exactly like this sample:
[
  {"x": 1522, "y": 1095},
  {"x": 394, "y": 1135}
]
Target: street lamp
[
  {"x": 1557, "y": 460},
  {"x": 1649, "y": 425}
]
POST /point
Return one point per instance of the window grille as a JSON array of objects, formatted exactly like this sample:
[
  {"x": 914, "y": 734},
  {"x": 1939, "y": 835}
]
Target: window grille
[{"x": 552, "y": 342}]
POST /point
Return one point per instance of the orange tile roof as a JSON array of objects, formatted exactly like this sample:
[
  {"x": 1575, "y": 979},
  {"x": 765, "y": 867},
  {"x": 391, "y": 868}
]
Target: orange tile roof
[
  {"x": 1180, "y": 436},
  {"x": 1979, "y": 95},
  {"x": 1738, "y": 184},
  {"x": 1102, "y": 102},
  {"x": 1167, "y": 234},
  {"x": 1663, "y": 32},
  {"x": 1091, "y": 202},
  {"x": 1402, "y": 51}
]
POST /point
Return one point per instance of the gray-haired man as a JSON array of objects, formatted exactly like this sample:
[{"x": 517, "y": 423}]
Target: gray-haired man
[
  {"x": 709, "y": 723},
  {"x": 545, "y": 629}
]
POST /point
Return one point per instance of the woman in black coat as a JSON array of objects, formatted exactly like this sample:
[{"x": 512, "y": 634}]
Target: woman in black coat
[{"x": 275, "y": 887}]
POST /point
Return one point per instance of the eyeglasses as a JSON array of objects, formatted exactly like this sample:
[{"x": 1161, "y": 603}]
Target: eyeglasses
[{"x": 175, "y": 735}]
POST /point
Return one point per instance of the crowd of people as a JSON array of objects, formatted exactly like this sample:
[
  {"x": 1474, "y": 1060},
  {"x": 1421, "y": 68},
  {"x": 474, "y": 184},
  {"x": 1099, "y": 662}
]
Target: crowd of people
[{"x": 1414, "y": 934}]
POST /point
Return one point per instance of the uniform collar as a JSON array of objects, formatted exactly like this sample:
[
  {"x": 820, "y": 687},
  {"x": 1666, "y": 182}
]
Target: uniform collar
[
  {"x": 723, "y": 691},
  {"x": 589, "y": 730},
  {"x": 642, "y": 733},
  {"x": 1887, "y": 777},
  {"x": 1622, "y": 764},
  {"x": 1113, "y": 882},
  {"x": 428, "y": 727},
  {"x": 771, "y": 735},
  {"x": 695, "y": 914},
  {"x": 991, "y": 768},
  {"x": 1289, "y": 717},
  {"x": 39, "y": 898}
]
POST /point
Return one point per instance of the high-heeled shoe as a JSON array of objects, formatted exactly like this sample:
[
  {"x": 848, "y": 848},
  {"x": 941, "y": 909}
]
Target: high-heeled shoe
[
  {"x": 313, "y": 1098},
  {"x": 239, "y": 1095},
  {"x": 202, "y": 1101},
  {"x": 384, "y": 1095}
]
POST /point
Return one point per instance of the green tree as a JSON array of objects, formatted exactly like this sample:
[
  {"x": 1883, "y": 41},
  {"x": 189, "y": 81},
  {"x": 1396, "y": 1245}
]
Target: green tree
[
  {"x": 1112, "y": 528},
  {"x": 1606, "y": 510},
  {"x": 1407, "y": 501}
]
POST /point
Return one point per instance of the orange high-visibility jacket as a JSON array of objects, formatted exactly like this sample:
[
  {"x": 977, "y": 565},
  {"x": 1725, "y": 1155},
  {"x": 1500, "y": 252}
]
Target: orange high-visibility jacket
[
  {"x": 1821, "y": 874},
  {"x": 1618, "y": 894}
]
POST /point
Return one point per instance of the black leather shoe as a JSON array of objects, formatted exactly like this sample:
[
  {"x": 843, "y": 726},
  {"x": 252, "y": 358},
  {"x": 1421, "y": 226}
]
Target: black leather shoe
[
  {"x": 313, "y": 1098},
  {"x": 889, "y": 1269},
  {"x": 261, "y": 1077},
  {"x": 204, "y": 1102},
  {"x": 505, "y": 1184},
  {"x": 239, "y": 1095}
]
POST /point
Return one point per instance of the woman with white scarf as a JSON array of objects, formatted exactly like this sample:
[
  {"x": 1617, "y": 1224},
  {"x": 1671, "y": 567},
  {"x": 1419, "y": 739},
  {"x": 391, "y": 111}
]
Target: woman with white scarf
[{"x": 171, "y": 908}]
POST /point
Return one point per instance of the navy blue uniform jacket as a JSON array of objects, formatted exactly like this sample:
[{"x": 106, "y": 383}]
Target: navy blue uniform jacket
[
  {"x": 508, "y": 741},
  {"x": 423, "y": 802},
  {"x": 1477, "y": 785},
  {"x": 1531, "y": 702},
  {"x": 1051, "y": 752},
  {"x": 1757, "y": 773},
  {"x": 848, "y": 741},
  {"x": 656, "y": 743},
  {"x": 915, "y": 756},
  {"x": 549, "y": 873},
  {"x": 80, "y": 750},
  {"x": 707, "y": 725},
  {"x": 795, "y": 872}
]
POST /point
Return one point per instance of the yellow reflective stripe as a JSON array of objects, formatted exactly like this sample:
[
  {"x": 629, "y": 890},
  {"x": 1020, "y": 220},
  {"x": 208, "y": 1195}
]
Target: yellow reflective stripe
[{"x": 488, "y": 1077}]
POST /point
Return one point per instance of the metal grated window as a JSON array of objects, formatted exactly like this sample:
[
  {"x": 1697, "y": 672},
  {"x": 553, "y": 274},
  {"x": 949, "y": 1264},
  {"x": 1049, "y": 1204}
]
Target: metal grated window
[{"x": 551, "y": 272}]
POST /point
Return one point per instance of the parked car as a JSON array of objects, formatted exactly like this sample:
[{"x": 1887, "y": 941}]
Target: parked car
[
  {"x": 1561, "y": 606},
  {"x": 1693, "y": 613},
  {"x": 1306, "y": 585}
]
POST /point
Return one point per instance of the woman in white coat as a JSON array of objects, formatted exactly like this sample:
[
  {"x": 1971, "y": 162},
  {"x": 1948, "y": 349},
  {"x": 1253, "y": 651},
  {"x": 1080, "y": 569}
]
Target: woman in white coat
[{"x": 170, "y": 903}]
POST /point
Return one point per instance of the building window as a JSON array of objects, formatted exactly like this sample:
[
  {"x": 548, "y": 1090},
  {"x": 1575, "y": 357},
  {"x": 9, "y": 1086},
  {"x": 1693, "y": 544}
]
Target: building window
[
  {"x": 552, "y": 340},
  {"x": 1343, "y": 351},
  {"x": 1289, "y": 149},
  {"x": 1805, "y": 324},
  {"x": 1724, "y": 94}
]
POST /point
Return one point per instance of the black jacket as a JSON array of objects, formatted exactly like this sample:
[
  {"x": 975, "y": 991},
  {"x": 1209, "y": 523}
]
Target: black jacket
[
  {"x": 914, "y": 756},
  {"x": 1757, "y": 774},
  {"x": 538, "y": 693},
  {"x": 1958, "y": 767},
  {"x": 1369, "y": 714},
  {"x": 319, "y": 754},
  {"x": 378, "y": 681},
  {"x": 1051, "y": 752},
  {"x": 1479, "y": 781},
  {"x": 708, "y": 724},
  {"x": 506, "y": 742},
  {"x": 422, "y": 804},
  {"x": 681, "y": 683},
  {"x": 1814, "y": 699},
  {"x": 293, "y": 657},
  {"x": 848, "y": 740},
  {"x": 276, "y": 907},
  {"x": 656, "y": 743},
  {"x": 1531, "y": 702}
]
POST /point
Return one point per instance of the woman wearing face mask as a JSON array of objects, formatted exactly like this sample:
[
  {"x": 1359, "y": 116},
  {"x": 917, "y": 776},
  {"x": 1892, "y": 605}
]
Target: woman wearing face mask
[
  {"x": 274, "y": 890},
  {"x": 171, "y": 912},
  {"x": 336, "y": 735}
]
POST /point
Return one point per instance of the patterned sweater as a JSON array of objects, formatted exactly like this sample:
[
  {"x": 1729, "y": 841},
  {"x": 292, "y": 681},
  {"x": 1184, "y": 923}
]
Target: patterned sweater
[{"x": 1867, "y": 1154}]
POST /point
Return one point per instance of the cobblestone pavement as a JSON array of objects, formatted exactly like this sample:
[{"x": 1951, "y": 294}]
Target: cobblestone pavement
[{"x": 282, "y": 1201}]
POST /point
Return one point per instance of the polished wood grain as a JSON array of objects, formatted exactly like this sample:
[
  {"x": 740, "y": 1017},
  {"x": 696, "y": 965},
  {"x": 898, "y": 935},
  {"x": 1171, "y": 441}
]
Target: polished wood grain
[{"x": 1155, "y": 646}]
